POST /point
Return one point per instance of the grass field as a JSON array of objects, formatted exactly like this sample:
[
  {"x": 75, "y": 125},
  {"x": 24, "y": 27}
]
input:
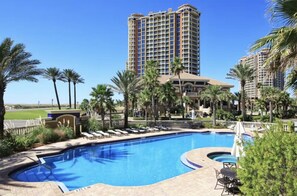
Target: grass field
[{"x": 25, "y": 114}]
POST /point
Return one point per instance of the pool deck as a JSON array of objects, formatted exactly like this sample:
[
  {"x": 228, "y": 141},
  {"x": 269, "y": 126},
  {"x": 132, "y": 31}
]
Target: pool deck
[{"x": 196, "y": 182}]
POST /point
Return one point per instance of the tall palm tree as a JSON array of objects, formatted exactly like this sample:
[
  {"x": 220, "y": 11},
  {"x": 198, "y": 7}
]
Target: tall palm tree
[
  {"x": 76, "y": 79},
  {"x": 243, "y": 73},
  {"x": 238, "y": 98},
  {"x": 144, "y": 99},
  {"x": 213, "y": 94},
  {"x": 67, "y": 75},
  {"x": 177, "y": 68},
  {"x": 151, "y": 82},
  {"x": 227, "y": 96},
  {"x": 281, "y": 41},
  {"x": 53, "y": 74},
  {"x": 270, "y": 94},
  {"x": 110, "y": 106},
  {"x": 16, "y": 65},
  {"x": 167, "y": 96},
  {"x": 125, "y": 83},
  {"x": 101, "y": 96}
]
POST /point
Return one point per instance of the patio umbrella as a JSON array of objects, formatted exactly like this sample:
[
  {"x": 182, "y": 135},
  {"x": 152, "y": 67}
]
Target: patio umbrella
[{"x": 237, "y": 148}]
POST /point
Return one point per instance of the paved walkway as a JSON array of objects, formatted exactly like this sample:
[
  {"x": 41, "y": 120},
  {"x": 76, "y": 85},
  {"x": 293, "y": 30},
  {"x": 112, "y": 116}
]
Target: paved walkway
[{"x": 196, "y": 182}]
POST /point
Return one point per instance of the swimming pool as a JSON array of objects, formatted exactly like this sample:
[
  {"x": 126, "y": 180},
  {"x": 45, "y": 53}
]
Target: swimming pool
[{"x": 126, "y": 163}]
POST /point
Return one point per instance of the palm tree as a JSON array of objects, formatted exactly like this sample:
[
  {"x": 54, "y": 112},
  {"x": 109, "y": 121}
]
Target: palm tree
[
  {"x": 188, "y": 101},
  {"x": 270, "y": 94},
  {"x": 110, "y": 106},
  {"x": 243, "y": 73},
  {"x": 101, "y": 96},
  {"x": 16, "y": 65},
  {"x": 53, "y": 74},
  {"x": 76, "y": 79},
  {"x": 238, "y": 98},
  {"x": 176, "y": 69},
  {"x": 213, "y": 94},
  {"x": 144, "y": 99},
  {"x": 125, "y": 83},
  {"x": 281, "y": 41},
  {"x": 85, "y": 105},
  {"x": 67, "y": 75},
  {"x": 227, "y": 96},
  {"x": 291, "y": 81},
  {"x": 167, "y": 96},
  {"x": 151, "y": 82}
]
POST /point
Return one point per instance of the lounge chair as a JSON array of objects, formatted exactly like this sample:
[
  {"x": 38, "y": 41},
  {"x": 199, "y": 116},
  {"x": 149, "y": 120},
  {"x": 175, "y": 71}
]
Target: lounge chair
[
  {"x": 98, "y": 135},
  {"x": 131, "y": 130},
  {"x": 114, "y": 132},
  {"x": 104, "y": 134},
  {"x": 121, "y": 131},
  {"x": 87, "y": 135}
]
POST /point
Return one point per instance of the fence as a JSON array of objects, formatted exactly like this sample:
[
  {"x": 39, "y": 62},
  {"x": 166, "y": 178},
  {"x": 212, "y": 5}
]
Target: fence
[{"x": 20, "y": 130}]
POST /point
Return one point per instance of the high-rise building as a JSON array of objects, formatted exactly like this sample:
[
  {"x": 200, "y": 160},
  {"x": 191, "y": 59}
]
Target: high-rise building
[
  {"x": 161, "y": 36},
  {"x": 262, "y": 76}
]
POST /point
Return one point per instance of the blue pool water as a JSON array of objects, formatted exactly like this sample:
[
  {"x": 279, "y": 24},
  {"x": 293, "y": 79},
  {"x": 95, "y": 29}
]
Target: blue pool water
[
  {"x": 223, "y": 157},
  {"x": 126, "y": 163}
]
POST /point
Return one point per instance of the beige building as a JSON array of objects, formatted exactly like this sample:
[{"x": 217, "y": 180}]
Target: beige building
[
  {"x": 192, "y": 85},
  {"x": 161, "y": 36},
  {"x": 262, "y": 76}
]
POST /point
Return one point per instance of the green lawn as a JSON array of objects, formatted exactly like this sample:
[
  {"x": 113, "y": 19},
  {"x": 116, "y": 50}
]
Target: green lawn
[{"x": 25, "y": 114}]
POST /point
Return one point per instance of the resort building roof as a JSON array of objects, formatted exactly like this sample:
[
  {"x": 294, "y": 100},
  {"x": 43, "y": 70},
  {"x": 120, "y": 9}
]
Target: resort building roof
[{"x": 191, "y": 77}]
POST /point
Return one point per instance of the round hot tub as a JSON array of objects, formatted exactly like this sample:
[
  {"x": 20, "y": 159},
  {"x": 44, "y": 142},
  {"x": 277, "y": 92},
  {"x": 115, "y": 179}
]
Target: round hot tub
[{"x": 222, "y": 157}]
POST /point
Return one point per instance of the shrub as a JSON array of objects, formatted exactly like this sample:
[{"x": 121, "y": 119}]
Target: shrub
[
  {"x": 225, "y": 115},
  {"x": 6, "y": 146},
  {"x": 23, "y": 142},
  {"x": 35, "y": 134},
  {"x": 94, "y": 125},
  {"x": 269, "y": 166},
  {"x": 48, "y": 136},
  {"x": 265, "y": 118},
  {"x": 138, "y": 118},
  {"x": 247, "y": 118}
]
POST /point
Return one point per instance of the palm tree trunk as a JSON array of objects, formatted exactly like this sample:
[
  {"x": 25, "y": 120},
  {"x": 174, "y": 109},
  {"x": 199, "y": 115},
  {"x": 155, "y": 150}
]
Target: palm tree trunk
[
  {"x": 145, "y": 115},
  {"x": 126, "y": 112},
  {"x": 74, "y": 95},
  {"x": 110, "y": 119},
  {"x": 57, "y": 96},
  {"x": 154, "y": 109},
  {"x": 181, "y": 97},
  {"x": 270, "y": 111},
  {"x": 2, "y": 113},
  {"x": 242, "y": 102},
  {"x": 214, "y": 115},
  {"x": 69, "y": 91}
]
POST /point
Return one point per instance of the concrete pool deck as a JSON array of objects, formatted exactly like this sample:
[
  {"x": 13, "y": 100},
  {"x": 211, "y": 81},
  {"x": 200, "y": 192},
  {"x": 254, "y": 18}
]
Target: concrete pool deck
[{"x": 196, "y": 182}]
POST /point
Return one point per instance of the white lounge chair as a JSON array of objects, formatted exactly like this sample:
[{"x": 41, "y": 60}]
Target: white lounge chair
[
  {"x": 96, "y": 134},
  {"x": 87, "y": 135},
  {"x": 114, "y": 132},
  {"x": 121, "y": 131},
  {"x": 104, "y": 134},
  {"x": 131, "y": 130}
]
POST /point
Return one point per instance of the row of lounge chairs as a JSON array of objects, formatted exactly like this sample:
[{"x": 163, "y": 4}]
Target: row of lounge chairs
[{"x": 119, "y": 132}]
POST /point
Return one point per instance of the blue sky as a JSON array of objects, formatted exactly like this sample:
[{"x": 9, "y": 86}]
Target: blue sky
[{"x": 91, "y": 38}]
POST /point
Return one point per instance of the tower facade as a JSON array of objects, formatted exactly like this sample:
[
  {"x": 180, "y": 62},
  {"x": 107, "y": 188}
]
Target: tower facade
[
  {"x": 161, "y": 36},
  {"x": 262, "y": 76}
]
